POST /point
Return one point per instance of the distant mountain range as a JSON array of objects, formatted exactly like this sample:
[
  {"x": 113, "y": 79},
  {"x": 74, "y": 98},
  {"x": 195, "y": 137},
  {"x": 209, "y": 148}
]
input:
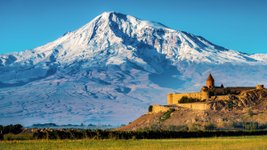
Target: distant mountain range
[{"x": 111, "y": 69}]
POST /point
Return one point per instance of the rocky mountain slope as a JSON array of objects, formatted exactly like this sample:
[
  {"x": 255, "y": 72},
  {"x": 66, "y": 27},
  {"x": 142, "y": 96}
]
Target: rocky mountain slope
[
  {"x": 111, "y": 69},
  {"x": 245, "y": 111}
]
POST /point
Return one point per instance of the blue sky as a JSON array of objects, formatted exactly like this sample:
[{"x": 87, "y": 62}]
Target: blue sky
[{"x": 234, "y": 24}]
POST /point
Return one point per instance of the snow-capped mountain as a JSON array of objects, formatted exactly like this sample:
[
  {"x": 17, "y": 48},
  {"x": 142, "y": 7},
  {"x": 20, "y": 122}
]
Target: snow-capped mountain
[{"x": 111, "y": 69}]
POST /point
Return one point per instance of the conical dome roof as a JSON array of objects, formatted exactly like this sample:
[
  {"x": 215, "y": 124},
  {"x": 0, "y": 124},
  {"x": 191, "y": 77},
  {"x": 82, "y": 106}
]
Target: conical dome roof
[{"x": 210, "y": 78}]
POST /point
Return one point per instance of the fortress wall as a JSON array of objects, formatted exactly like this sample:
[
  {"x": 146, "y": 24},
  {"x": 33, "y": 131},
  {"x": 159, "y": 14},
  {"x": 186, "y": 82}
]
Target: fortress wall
[
  {"x": 173, "y": 98},
  {"x": 158, "y": 108},
  {"x": 240, "y": 89},
  {"x": 195, "y": 106}
]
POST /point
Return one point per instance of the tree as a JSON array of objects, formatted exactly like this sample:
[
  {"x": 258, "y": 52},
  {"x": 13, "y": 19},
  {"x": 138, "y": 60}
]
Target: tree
[{"x": 15, "y": 129}]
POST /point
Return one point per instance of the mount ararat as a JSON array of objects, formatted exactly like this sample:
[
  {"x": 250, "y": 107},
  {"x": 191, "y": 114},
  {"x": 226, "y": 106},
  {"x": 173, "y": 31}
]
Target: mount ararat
[{"x": 110, "y": 70}]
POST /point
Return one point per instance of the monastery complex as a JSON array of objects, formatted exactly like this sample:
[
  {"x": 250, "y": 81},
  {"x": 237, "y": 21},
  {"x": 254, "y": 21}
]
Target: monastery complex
[{"x": 199, "y": 100}]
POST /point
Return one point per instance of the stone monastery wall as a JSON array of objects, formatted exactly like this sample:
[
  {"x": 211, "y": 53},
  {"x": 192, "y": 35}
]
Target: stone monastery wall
[
  {"x": 195, "y": 106},
  {"x": 157, "y": 108},
  {"x": 173, "y": 98}
]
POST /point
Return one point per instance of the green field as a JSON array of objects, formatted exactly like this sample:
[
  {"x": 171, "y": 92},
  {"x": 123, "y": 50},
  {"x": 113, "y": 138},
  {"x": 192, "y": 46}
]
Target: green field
[{"x": 227, "y": 143}]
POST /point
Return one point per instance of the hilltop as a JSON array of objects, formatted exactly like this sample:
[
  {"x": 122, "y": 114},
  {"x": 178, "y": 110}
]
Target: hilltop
[
  {"x": 214, "y": 107},
  {"x": 248, "y": 111}
]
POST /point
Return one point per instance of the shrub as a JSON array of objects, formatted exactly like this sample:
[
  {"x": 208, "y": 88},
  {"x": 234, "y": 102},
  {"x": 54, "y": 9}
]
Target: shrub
[
  {"x": 246, "y": 125},
  {"x": 155, "y": 127},
  {"x": 186, "y": 99},
  {"x": 178, "y": 128},
  {"x": 263, "y": 126},
  {"x": 166, "y": 115},
  {"x": 1, "y": 136},
  {"x": 250, "y": 112},
  {"x": 194, "y": 127},
  {"x": 40, "y": 135},
  {"x": 78, "y": 134},
  {"x": 53, "y": 135},
  {"x": 251, "y": 126},
  {"x": 230, "y": 104},
  {"x": 210, "y": 126},
  {"x": 1, "y": 128}
]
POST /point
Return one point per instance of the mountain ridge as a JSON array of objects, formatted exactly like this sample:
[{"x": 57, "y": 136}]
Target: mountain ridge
[{"x": 107, "y": 21}]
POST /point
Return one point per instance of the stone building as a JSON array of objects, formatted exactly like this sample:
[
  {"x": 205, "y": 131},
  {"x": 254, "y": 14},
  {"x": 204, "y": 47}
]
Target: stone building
[{"x": 209, "y": 92}]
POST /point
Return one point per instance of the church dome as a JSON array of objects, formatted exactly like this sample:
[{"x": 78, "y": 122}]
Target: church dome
[{"x": 210, "y": 81}]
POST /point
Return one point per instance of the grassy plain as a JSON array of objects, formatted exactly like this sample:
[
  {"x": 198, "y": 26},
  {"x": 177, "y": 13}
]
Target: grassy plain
[{"x": 221, "y": 143}]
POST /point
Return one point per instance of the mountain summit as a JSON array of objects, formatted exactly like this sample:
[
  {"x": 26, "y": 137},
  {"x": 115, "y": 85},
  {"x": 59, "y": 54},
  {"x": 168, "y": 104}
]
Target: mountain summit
[
  {"x": 122, "y": 35},
  {"x": 112, "y": 68}
]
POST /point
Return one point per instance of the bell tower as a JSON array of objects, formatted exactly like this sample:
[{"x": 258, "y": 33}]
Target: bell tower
[{"x": 210, "y": 82}]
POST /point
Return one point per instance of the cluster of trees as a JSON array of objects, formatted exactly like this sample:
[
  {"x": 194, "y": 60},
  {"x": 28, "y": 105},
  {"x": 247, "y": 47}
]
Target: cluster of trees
[
  {"x": 249, "y": 126},
  {"x": 107, "y": 134},
  {"x": 209, "y": 126},
  {"x": 149, "y": 133},
  {"x": 14, "y": 129},
  {"x": 186, "y": 99}
]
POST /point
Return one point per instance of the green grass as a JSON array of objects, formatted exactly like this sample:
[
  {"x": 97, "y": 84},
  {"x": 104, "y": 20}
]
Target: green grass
[
  {"x": 21, "y": 136},
  {"x": 227, "y": 143}
]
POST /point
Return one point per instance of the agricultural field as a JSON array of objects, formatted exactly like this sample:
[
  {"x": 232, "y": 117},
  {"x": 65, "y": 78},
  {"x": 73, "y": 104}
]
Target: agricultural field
[{"x": 227, "y": 143}]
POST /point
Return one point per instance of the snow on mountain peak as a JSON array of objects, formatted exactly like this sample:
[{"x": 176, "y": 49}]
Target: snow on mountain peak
[{"x": 119, "y": 37}]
